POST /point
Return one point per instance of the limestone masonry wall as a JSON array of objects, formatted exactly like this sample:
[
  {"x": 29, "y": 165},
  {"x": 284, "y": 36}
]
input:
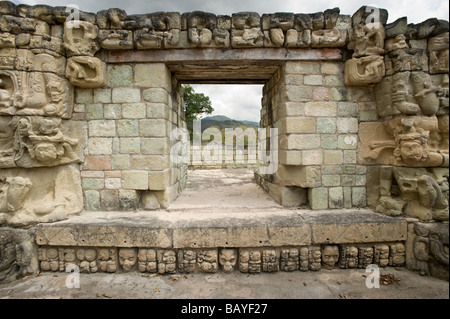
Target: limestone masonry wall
[{"x": 89, "y": 103}]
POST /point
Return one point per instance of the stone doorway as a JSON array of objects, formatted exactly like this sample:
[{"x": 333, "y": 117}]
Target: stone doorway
[{"x": 222, "y": 176}]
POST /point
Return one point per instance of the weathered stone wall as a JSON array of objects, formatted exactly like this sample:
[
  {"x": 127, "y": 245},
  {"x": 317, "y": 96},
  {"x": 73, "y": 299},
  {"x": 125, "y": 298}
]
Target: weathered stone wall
[
  {"x": 129, "y": 125},
  {"x": 317, "y": 117},
  {"x": 88, "y": 103}
]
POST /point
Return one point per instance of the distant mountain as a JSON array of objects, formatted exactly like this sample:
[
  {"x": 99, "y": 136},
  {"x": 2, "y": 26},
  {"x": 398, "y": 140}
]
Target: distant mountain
[
  {"x": 222, "y": 122},
  {"x": 221, "y": 118}
]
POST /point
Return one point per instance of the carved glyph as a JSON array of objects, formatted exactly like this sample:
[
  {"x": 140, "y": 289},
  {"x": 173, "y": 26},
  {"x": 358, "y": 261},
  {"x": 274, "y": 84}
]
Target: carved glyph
[
  {"x": 367, "y": 42},
  {"x": 29, "y": 141},
  {"x": 439, "y": 56},
  {"x": 39, "y": 195},
  {"x": 246, "y": 30},
  {"x": 86, "y": 71},
  {"x": 35, "y": 93},
  {"x": 80, "y": 38},
  {"x": 421, "y": 193}
]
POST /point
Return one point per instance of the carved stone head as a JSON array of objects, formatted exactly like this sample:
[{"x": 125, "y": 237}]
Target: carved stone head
[
  {"x": 227, "y": 260},
  {"x": 330, "y": 256},
  {"x": 127, "y": 258}
]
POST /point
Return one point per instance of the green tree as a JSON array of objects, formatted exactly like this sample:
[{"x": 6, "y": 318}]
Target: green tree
[{"x": 195, "y": 104}]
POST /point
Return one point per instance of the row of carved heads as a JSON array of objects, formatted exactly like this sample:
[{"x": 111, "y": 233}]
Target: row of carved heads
[{"x": 170, "y": 261}]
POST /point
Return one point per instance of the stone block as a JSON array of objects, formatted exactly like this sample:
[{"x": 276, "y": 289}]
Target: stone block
[
  {"x": 290, "y": 157},
  {"x": 155, "y": 75},
  {"x": 102, "y": 96},
  {"x": 157, "y": 111},
  {"x": 359, "y": 196},
  {"x": 126, "y": 95},
  {"x": 120, "y": 161},
  {"x": 119, "y": 75},
  {"x": 98, "y": 233},
  {"x": 321, "y": 109},
  {"x": 155, "y": 95},
  {"x": 84, "y": 96},
  {"x": 312, "y": 157},
  {"x": 92, "y": 200},
  {"x": 300, "y": 176},
  {"x": 149, "y": 201},
  {"x": 349, "y": 157},
  {"x": 321, "y": 94},
  {"x": 331, "y": 180},
  {"x": 127, "y": 128},
  {"x": 347, "y": 109},
  {"x": 347, "y": 142},
  {"x": 113, "y": 183},
  {"x": 137, "y": 180},
  {"x": 134, "y": 110},
  {"x": 99, "y": 146},
  {"x": 326, "y": 125},
  {"x": 149, "y": 162},
  {"x": 94, "y": 111},
  {"x": 154, "y": 146},
  {"x": 112, "y": 111},
  {"x": 299, "y": 93},
  {"x": 300, "y": 125},
  {"x": 294, "y": 109},
  {"x": 303, "y": 141},
  {"x": 318, "y": 198},
  {"x": 336, "y": 197},
  {"x": 313, "y": 80},
  {"x": 158, "y": 180},
  {"x": 347, "y": 125},
  {"x": 102, "y": 128},
  {"x": 354, "y": 226},
  {"x": 304, "y": 67},
  {"x": 332, "y": 157},
  {"x": 332, "y": 68},
  {"x": 97, "y": 162},
  {"x": 153, "y": 128},
  {"x": 109, "y": 200},
  {"x": 329, "y": 141},
  {"x": 333, "y": 80},
  {"x": 130, "y": 145},
  {"x": 93, "y": 183}
]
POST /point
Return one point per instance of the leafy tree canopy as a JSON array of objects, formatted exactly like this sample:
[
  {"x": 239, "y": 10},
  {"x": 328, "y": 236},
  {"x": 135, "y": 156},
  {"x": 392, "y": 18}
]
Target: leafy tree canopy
[{"x": 195, "y": 104}]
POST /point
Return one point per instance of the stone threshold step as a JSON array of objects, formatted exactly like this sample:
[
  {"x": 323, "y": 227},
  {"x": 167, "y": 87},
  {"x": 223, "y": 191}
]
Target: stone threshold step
[{"x": 238, "y": 228}]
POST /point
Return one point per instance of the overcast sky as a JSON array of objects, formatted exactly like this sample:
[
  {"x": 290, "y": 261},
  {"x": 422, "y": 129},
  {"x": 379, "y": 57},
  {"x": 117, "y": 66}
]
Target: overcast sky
[{"x": 244, "y": 102}]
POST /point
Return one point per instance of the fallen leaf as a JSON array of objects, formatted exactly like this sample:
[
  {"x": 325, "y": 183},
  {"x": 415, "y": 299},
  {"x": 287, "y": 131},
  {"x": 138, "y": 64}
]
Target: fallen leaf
[
  {"x": 26, "y": 277},
  {"x": 175, "y": 278},
  {"x": 38, "y": 273},
  {"x": 388, "y": 279},
  {"x": 345, "y": 296},
  {"x": 304, "y": 284},
  {"x": 156, "y": 290},
  {"x": 338, "y": 283},
  {"x": 106, "y": 296}
]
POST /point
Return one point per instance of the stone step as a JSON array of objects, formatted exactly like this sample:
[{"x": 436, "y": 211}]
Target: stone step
[{"x": 225, "y": 228}]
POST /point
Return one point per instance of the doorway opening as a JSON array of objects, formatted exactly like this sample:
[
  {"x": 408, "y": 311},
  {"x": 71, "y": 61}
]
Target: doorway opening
[{"x": 224, "y": 148}]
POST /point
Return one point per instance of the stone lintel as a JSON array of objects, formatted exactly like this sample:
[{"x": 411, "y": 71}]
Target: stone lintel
[
  {"x": 178, "y": 230},
  {"x": 248, "y": 55}
]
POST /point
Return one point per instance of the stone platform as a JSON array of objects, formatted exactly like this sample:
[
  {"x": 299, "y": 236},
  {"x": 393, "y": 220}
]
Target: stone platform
[
  {"x": 228, "y": 228},
  {"x": 222, "y": 219}
]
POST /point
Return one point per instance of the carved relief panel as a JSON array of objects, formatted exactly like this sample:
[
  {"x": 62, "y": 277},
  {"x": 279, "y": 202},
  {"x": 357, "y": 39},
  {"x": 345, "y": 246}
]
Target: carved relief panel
[{"x": 35, "y": 93}]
